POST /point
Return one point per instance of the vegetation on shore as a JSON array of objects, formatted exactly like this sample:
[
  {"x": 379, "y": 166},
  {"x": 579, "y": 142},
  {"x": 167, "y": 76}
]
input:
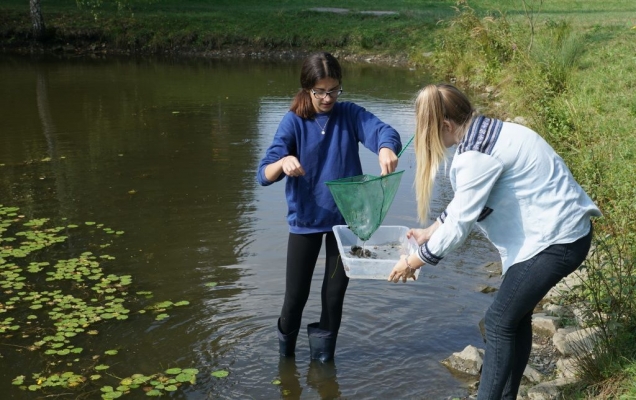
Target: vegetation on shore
[
  {"x": 554, "y": 73},
  {"x": 567, "y": 67}
]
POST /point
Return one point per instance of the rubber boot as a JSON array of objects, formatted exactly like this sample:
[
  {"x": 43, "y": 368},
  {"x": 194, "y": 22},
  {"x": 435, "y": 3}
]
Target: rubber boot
[
  {"x": 290, "y": 387},
  {"x": 323, "y": 378},
  {"x": 287, "y": 342},
  {"x": 322, "y": 344}
]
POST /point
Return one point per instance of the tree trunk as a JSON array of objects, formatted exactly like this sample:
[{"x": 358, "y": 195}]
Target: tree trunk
[{"x": 36, "y": 19}]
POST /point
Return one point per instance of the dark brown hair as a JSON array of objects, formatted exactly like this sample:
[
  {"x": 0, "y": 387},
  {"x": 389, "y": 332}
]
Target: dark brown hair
[{"x": 315, "y": 67}]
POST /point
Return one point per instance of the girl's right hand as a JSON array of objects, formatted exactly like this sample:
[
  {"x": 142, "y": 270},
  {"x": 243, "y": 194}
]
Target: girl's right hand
[
  {"x": 291, "y": 166},
  {"x": 422, "y": 236}
]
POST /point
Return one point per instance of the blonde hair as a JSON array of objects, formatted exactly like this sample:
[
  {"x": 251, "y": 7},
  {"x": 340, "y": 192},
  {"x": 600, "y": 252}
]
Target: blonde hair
[{"x": 435, "y": 104}]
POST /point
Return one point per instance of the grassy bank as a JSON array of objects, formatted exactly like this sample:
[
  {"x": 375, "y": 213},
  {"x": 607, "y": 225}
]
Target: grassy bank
[
  {"x": 566, "y": 66},
  {"x": 220, "y": 27},
  {"x": 253, "y": 26},
  {"x": 571, "y": 77}
]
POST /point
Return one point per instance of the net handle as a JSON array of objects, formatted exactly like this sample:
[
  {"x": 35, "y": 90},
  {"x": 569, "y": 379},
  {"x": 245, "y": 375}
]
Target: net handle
[{"x": 405, "y": 146}]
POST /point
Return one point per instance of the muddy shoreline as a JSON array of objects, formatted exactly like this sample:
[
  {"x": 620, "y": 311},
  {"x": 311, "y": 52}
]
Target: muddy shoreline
[{"x": 98, "y": 49}]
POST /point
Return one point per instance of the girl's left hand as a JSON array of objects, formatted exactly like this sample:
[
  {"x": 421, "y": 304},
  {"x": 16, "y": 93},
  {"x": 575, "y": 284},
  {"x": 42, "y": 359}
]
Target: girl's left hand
[
  {"x": 388, "y": 160},
  {"x": 401, "y": 271}
]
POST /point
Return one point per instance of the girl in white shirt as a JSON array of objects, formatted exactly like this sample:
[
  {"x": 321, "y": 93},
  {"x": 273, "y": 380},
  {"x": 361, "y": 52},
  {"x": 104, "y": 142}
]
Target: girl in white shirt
[{"x": 510, "y": 183}]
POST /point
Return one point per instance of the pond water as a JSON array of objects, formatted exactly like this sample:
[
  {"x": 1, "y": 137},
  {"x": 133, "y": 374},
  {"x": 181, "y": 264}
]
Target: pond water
[{"x": 166, "y": 152}]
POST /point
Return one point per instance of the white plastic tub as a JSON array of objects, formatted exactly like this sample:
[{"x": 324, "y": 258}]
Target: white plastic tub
[{"x": 388, "y": 243}]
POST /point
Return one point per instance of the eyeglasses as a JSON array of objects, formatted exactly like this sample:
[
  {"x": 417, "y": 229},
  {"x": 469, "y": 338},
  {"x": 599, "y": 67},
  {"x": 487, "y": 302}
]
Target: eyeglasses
[{"x": 321, "y": 94}]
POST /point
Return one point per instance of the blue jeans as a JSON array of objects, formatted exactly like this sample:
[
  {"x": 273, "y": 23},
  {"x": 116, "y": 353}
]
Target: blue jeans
[{"x": 509, "y": 319}]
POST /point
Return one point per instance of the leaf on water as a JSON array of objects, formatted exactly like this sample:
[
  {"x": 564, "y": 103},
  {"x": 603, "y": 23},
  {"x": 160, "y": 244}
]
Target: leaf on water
[
  {"x": 192, "y": 371},
  {"x": 184, "y": 377},
  {"x": 111, "y": 352},
  {"x": 220, "y": 373},
  {"x": 161, "y": 317},
  {"x": 211, "y": 284},
  {"x": 173, "y": 371},
  {"x": 276, "y": 382}
]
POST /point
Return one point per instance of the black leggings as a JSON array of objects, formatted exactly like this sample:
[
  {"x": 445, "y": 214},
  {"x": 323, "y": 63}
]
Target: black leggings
[{"x": 302, "y": 254}]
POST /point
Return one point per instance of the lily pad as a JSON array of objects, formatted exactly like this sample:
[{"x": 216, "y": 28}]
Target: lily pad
[{"x": 220, "y": 373}]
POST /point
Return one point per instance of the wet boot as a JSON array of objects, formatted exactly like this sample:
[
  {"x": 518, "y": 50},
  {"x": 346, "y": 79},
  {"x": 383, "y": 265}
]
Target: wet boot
[
  {"x": 287, "y": 342},
  {"x": 323, "y": 377},
  {"x": 290, "y": 387},
  {"x": 322, "y": 344}
]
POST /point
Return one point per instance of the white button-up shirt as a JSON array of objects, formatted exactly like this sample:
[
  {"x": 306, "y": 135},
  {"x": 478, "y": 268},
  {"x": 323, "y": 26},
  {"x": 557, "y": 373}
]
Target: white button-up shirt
[{"x": 511, "y": 183}]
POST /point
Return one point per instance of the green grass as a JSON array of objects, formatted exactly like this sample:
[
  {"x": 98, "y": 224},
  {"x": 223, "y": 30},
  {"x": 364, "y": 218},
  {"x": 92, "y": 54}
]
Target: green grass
[
  {"x": 213, "y": 25},
  {"x": 571, "y": 75}
]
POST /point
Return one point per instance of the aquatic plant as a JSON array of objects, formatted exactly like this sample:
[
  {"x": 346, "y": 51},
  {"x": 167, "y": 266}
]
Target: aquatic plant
[{"x": 46, "y": 303}]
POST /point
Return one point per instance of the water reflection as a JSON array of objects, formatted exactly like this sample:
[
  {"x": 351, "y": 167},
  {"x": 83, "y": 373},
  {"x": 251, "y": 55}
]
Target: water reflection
[{"x": 167, "y": 152}]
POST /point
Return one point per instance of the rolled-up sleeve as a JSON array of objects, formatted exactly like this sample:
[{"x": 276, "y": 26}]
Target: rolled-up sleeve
[{"x": 475, "y": 175}]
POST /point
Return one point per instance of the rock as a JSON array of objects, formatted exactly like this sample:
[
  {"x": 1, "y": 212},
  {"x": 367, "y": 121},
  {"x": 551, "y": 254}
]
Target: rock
[
  {"x": 468, "y": 361},
  {"x": 567, "y": 368},
  {"x": 532, "y": 375},
  {"x": 493, "y": 267},
  {"x": 545, "y": 324},
  {"x": 487, "y": 289},
  {"x": 573, "y": 341},
  {"x": 554, "y": 310},
  {"x": 581, "y": 341},
  {"x": 548, "y": 390},
  {"x": 559, "y": 339}
]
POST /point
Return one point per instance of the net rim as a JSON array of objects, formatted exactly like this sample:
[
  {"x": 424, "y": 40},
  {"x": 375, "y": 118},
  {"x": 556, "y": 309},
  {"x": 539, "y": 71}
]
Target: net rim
[{"x": 347, "y": 180}]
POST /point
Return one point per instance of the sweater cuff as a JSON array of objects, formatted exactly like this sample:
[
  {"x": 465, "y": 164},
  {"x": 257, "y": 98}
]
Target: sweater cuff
[{"x": 426, "y": 256}]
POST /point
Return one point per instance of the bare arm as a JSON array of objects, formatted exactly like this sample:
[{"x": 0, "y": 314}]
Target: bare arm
[{"x": 288, "y": 165}]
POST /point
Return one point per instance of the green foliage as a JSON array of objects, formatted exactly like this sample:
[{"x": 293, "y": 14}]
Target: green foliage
[
  {"x": 53, "y": 302},
  {"x": 582, "y": 108},
  {"x": 472, "y": 47}
]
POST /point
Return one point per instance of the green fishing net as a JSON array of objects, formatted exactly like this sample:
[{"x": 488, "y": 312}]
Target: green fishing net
[{"x": 364, "y": 200}]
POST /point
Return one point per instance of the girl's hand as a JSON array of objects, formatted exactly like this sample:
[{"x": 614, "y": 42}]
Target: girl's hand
[
  {"x": 423, "y": 235},
  {"x": 291, "y": 166},
  {"x": 388, "y": 161},
  {"x": 401, "y": 270}
]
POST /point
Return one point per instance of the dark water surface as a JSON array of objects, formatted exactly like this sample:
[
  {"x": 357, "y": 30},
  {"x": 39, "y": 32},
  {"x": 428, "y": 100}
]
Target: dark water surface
[{"x": 167, "y": 152}]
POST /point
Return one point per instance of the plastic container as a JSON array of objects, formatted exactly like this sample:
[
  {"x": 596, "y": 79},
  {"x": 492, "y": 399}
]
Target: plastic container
[{"x": 387, "y": 244}]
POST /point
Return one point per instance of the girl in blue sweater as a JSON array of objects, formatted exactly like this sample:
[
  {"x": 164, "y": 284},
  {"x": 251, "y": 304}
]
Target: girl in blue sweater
[{"x": 317, "y": 141}]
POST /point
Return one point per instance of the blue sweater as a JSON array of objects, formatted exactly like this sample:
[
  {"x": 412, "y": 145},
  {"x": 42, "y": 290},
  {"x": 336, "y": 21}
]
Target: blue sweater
[{"x": 334, "y": 155}]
